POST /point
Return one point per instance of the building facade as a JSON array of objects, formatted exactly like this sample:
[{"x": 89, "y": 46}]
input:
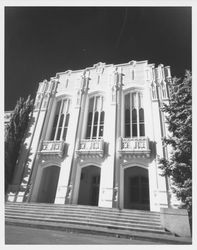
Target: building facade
[{"x": 95, "y": 138}]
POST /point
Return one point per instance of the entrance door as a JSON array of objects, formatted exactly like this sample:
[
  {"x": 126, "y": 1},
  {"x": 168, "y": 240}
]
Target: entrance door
[
  {"x": 48, "y": 184},
  {"x": 95, "y": 190},
  {"x": 136, "y": 189},
  {"x": 89, "y": 186}
]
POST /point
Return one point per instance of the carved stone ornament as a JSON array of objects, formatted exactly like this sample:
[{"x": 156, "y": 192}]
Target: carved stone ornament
[
  {"x": 38, "y": 101},
  {"x": 45, "y": 100},
  {"x": 69, "y": 191},
  {"x": 116, "y": 194}
]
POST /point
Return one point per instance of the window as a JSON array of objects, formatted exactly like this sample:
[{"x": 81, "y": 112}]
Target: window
[
  {"x": 98, "y": 79},
  {"x": 61, "y": 120},
  {"x": 96, "y": 116},
  {"x": 133, "y": 74},
  {"x": 164, "y": 90},
  {"x": 66, "y": 85},
  {"x": 134, "y": 115}
]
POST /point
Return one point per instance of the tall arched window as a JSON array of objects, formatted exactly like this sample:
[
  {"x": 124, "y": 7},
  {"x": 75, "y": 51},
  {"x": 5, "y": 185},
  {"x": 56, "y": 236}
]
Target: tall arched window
[
  {"x": 61, "y": 120},
  {"x": 134, "y": 115},
  {"x": 164, "y": 90},
  {"x": 96, "y": 116}
]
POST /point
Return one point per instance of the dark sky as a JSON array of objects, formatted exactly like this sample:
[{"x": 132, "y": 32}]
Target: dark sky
[{"x": 41, "y": 41}]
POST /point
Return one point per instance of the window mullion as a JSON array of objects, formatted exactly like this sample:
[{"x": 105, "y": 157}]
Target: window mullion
[
  {"x": 99, "y": 115},
  {"x": 63, "y": 123},
  {"x": 98, "y": 127},
  {"x": 92, "y": 125},
  {"x": 59, "y": 115},
  {"x": 138, "y": 122},
  {"x": 142, "y": 107},
  {"x": 131, "y": 109}
]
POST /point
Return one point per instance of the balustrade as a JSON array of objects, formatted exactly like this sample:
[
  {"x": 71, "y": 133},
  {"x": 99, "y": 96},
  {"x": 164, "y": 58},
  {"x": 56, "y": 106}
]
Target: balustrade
[
  {"x": 52, "y": 147},
  {"x": 92, "y": 147},
  {"x": 135, "y": 146}
]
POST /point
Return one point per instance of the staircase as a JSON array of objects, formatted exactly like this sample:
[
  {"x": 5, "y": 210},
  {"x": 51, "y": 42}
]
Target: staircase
[{"x": 133, "y": 224}]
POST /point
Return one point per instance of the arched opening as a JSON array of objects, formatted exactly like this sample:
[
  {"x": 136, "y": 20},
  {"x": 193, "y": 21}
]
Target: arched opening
[
  {"x": 48, "y": 184},
  {"x": 136, "y": 188},
  {"x": 89, "y": 186}
]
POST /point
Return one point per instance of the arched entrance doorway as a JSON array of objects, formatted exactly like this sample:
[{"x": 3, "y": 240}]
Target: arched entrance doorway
[
  {"x": 136, "y": 188},
  {"x": 48, "y": 184},
  {"x": 89, "y": 186}
]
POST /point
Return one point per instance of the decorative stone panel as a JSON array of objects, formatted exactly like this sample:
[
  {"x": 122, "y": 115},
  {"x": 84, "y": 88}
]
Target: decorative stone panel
[
  {"x": 134, "y": 147},
  {"x": 52, "y": 147},
  {"x": 91, "y": 148}
]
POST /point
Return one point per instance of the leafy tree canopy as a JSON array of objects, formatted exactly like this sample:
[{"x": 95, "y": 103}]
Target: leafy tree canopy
[
  {"x": 14, "y": 133},
  {"x": 179, "y": 118}
]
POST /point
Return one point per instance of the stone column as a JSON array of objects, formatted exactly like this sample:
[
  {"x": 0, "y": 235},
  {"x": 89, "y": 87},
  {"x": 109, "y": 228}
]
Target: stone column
[
  {"x": 109, "y": 182},
  {"x": 80, "y": 105},
  {"x": 162, "y": 194},
  {"x": 118, "y": 86}
]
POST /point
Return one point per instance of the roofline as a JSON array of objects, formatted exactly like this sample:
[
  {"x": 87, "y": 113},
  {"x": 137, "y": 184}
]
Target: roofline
[{"x": 105, "y": 65}]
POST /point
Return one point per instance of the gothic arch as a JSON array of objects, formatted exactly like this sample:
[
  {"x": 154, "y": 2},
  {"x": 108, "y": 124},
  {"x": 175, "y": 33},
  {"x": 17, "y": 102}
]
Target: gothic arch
[
  {"x": 49, "y": 163},
  {"x": 134, "y": 164},
  {"x": 96, "y": 93},
  {"x": 134, "y": 178},
  {"x": 89, "y": 184},
  {"x": 64, "y": 95},
  {"x": 136, "y": 188},
  {"x": 134, "y": 89},
  {"x": 92, "y": 163},
  {"x": 48, "y": 183}
]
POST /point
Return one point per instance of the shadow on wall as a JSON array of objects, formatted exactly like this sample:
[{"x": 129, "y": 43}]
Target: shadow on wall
[
  {"x": 153, "y": 148},
  {"x": 106, "y": 149}
]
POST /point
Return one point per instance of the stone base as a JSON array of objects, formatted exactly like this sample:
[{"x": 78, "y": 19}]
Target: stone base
[
  {"x": 106, "y": 196},
  {"x": 11, "y": 197},
  {"x": 60, "y": 195},
  {"x": 176, "y": 221}
]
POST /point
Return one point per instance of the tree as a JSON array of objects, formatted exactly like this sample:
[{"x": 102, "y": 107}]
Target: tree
[
  {"x": 14, "y": 133},
  {"x": 179, "y": 118}
]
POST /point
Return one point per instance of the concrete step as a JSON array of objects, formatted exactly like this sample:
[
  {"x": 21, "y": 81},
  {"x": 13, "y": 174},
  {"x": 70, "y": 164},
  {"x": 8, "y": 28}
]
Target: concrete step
[
  {"x": 135, "y": 224},
  {"x": 68, "y": 212},
  {"x": 82, "y": 223},
  {"x": 77, "y": 206},
  {"x": 86, "y": 220},
  {"x": 108, "y": 211},
  {"x": 85, "y": 215}
]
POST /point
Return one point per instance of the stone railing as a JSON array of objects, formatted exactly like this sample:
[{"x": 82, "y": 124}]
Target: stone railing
[
  {"x": 16, "y": 193},
  {"x": 52, "y": 147},
  {"x": 91, "y": 147},
  {"x": 133, "y": 147}
]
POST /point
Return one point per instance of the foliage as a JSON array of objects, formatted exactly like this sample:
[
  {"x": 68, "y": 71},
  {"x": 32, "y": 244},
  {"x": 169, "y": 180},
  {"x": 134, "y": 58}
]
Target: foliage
[
  {"x": 179, "y": 119},
  {"x": 14, "y": 133}
]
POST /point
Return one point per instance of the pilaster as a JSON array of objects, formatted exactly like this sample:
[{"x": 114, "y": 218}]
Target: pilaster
[
  {"x": 108, "y": 186},
  {"x": 67, "y": 174}
]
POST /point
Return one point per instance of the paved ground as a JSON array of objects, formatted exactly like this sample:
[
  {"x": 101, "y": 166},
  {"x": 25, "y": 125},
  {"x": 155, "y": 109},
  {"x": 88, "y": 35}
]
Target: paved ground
[{"x": 24, "y": 235}]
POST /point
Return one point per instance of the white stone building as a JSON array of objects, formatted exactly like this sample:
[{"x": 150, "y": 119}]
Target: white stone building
[{"x": 95, "y": 138}]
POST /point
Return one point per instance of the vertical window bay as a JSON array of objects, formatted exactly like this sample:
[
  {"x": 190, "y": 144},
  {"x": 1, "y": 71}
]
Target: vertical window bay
[
  {"x": 134, "y": 115},
  {"x": 96, "y": 115}
]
